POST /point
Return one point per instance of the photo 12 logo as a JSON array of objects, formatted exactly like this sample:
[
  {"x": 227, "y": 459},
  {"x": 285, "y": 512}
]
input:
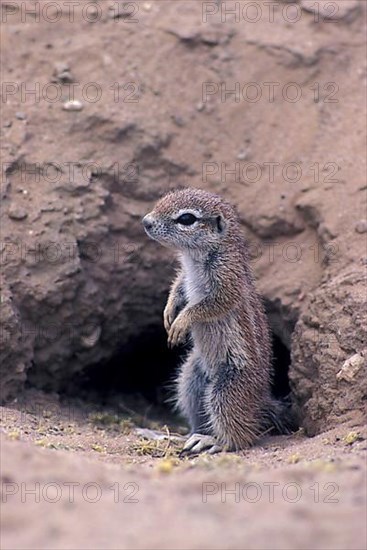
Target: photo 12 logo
[
  {"x": 269, "y": 491},
  {"x": 270, "y": 92},
  {"x": 72, "y": 173},
  {"x": 34, "y": 93},
  {"x": 271, "y": 172},
  {"x": 70, "y": 11},
  {"x": 250, "y": 12},
  {"x": 68, "y": 491}
]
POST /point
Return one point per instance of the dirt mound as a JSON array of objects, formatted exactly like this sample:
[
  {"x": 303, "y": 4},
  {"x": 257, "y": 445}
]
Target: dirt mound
[
  {"x": 328, "y": 376},
  {"x": 106, "y": 110}
]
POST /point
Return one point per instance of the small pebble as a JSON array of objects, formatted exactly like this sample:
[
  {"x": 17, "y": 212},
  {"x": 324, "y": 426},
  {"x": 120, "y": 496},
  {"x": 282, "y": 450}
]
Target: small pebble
[
  {"x": 65, "y": 77},
  {"x": 242, "y": 155},
  {"x": 62, "y": 73},
  {"x": 17, "y": 213},
  {"x": 20, "y": 116},
  {"x": 179, "y": 121},
  {"x": 361, "y": 226},
  {"x": 61, "y": 67},
  {"x": 73, "y": 105},
  {"x": 351, "y": 367},
  {"x": 115, "y": 12}
]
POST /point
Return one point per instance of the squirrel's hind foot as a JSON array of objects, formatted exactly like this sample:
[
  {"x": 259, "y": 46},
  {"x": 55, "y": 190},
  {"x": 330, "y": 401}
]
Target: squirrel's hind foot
[{"x": 198, "y": 443}]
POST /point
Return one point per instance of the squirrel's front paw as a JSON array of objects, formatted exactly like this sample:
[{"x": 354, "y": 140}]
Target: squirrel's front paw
[
  {"x": 169, "y": 315},
  {"x": 178, "y": 330}
]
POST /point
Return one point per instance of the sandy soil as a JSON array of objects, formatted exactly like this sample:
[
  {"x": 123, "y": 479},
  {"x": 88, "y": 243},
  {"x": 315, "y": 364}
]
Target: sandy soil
[{"x": 75, "y": 475}]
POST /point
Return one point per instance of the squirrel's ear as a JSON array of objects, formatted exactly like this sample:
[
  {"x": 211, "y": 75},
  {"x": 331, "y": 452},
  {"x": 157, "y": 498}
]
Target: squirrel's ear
[{"x": 220, "y": 224}]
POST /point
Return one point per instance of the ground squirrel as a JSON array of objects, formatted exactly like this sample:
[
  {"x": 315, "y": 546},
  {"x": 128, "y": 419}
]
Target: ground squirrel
[{"x": 224, "y": 386}]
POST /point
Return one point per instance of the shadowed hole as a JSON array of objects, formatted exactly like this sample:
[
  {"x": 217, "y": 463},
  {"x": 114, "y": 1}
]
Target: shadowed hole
[
  {"x": 146, "y": 367},
  {"x": 281, "y": 363}
]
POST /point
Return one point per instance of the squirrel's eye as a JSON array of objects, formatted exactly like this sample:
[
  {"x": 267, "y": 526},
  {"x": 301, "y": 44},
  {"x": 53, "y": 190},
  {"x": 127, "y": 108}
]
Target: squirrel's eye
[{"x": 186, "y": 219}]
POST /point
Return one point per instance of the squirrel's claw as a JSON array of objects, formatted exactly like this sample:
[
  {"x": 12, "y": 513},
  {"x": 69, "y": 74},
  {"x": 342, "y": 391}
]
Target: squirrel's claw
[
  {"x": 168, "y": 317},
  {"x": 178, "y": 331},
  {"x": 198, "y": 443}
]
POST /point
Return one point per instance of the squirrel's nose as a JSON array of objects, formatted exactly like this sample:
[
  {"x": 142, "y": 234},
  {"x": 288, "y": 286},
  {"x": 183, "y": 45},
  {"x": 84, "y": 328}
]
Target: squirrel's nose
[{"x": 147, "y": 222}]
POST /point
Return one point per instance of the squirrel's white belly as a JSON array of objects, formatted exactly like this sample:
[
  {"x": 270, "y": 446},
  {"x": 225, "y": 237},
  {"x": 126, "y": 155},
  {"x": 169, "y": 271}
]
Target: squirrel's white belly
[{"x": 196, "y": 283}]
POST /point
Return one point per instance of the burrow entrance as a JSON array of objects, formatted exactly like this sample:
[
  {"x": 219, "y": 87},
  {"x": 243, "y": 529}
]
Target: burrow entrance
[{"x": 147, "y": 367}]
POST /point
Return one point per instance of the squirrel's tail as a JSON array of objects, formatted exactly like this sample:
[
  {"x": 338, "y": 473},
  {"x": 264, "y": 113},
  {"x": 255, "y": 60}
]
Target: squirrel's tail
[{"x": 280, "y": 418}]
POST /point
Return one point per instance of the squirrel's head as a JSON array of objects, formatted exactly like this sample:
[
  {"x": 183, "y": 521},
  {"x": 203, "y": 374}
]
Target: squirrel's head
[{"x": 190, "y": 219}]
